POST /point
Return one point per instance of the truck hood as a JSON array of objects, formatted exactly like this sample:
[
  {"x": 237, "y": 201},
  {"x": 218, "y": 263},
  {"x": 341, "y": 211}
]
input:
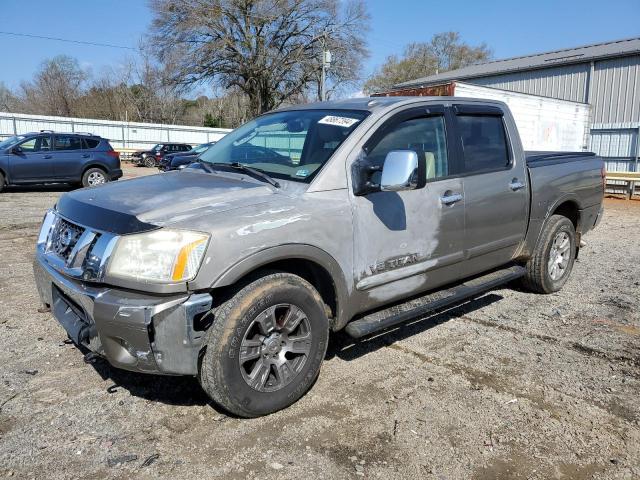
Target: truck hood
[{"x": 146, "y": 203}]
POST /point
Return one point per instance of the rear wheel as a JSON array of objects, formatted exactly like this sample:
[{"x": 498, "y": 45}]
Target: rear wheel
[
  {"x": 552, "y": 261},
  {"x": 93, "y": 177},
  {"x": 266, "y": 345}
]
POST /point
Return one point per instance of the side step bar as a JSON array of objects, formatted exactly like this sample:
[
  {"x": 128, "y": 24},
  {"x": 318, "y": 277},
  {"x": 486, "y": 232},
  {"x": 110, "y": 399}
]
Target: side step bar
[{"x": 397, "y": 314}]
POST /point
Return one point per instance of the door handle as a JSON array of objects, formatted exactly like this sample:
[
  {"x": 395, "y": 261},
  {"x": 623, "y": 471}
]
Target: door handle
[
  {"x": 47, "y": 157},
  {"x": 450, "y": 198},
  {"x": 516, "y": 185}
]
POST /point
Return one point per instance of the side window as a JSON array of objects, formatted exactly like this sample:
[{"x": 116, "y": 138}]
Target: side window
[
  {"x": 484, "y": 142},
  {"x": 67, "y": 142},
  {"x": 91, "y": 142},
  {"x": 30, "y": 145},
  {"x": 426, "y": 136},
  {"x": 36, "y": 144}
]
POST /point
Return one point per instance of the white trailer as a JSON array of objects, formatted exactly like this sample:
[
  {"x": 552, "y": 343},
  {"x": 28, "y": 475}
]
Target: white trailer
[{"x": 545, "y": 124}]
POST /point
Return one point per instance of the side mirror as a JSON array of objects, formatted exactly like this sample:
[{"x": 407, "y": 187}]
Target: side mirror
[
  {"x": 16, "y": 150},
  {"x": 402, "y": 170}
]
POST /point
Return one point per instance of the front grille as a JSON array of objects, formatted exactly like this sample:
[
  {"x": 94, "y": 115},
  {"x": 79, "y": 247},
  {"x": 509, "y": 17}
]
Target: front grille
[{"x": 64, "y": 237}]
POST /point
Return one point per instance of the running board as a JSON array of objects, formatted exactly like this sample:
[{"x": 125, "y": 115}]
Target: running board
[{"x": 397, "y": 314}]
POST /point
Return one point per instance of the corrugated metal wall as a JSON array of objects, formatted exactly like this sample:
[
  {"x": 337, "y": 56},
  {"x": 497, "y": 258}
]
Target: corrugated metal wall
[
  {"x": 618, "y": 144},
  {"x": 566, "y": 82},
  {"x": 616, "y": 90}
]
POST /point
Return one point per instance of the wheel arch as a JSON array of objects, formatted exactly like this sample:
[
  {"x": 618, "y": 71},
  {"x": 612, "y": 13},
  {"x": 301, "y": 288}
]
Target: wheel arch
[
  {"x": 101, "y": 166},
  {"x": 311, "y": 263},
  {"x": 570, "y": 209}
]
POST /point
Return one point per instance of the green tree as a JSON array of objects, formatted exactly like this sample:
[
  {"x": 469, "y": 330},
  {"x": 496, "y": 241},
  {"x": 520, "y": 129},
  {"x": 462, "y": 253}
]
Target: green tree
[
  {"x": 211, "y": 122},
  {"x": 445, "y": 51}
]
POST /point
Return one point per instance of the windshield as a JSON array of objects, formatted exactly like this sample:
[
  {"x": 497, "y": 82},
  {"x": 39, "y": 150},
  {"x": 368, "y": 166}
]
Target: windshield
[
  {"x": 202, "y": 148},
  {"x": 11, "y": 141},
  {"x": 291, "y": 145},
  {"x": 157, "y": 148}
]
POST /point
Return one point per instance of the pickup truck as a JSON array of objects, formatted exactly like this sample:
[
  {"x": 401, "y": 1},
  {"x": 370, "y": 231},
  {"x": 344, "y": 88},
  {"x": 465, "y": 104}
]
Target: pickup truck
[{"x": 367, "y": 213}]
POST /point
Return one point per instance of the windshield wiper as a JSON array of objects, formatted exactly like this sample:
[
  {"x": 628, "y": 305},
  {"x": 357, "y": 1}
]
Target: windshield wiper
[
  {"x": 253, "y": 171},
  {"x": 206, "y": 166}
]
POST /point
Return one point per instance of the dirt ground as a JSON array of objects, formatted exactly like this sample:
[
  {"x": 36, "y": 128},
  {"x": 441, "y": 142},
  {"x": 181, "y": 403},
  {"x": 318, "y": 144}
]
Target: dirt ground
[{"x": 513, "y": 385}]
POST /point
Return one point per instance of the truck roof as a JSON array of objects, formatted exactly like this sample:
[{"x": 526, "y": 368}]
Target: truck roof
[{"x": 372, "y": 104}]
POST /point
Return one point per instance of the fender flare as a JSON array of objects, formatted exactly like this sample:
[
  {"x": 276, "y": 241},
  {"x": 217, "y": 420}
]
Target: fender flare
[
  {"x": 567, "y": 197},
  {"x": 292, "y": 252}
]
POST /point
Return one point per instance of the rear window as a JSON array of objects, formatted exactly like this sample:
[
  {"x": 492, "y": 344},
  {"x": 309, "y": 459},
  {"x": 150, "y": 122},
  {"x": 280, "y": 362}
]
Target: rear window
[
  {"x": 91, "y": 142},
  {"x": 484, "y": 142}
]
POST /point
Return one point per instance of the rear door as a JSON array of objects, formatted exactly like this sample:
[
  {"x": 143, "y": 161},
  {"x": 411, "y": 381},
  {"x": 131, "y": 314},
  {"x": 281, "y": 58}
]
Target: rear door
[
  {"x": 34, "y": 162},
  {"x": 69, "y": 157},
  {"x": 495, "y": 187}
]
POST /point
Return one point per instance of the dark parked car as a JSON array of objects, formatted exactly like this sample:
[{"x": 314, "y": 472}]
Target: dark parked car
[
  {"x": 153, "y": 157},
  {"x": 175, "y": 161},
  {"x": 49, "y": 157}
]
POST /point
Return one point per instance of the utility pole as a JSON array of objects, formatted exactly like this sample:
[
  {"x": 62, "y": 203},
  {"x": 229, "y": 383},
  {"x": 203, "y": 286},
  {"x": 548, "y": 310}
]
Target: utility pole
[{"x": 326, "y": 62}]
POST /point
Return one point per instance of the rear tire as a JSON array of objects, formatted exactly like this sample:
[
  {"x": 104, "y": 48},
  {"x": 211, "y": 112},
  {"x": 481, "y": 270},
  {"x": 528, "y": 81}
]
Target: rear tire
[
  {"x": 94, "y": 177},
  {"x": 266, "y": 345},
  {"x": 549, "y": 267}
]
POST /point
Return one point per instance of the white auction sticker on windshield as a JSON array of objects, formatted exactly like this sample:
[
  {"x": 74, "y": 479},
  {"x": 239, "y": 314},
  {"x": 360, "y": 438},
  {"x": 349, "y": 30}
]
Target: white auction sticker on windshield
[{"x": 345, "y": 122}]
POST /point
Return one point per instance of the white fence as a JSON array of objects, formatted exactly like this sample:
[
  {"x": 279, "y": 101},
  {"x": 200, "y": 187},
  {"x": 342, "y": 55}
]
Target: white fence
[{"x": 120, "y": 134}]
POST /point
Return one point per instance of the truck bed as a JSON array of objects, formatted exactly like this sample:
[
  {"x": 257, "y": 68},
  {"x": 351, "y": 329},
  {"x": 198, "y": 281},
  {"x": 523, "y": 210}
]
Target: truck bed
[{"x": 557, "y": 177}]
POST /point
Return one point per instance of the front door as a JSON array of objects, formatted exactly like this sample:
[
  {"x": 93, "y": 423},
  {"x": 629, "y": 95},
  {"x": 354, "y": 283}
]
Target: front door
[
  {"x": 411, "y": 241},
  {"x": 495, "y": 188},
  {"x": 32, "y": 163}
]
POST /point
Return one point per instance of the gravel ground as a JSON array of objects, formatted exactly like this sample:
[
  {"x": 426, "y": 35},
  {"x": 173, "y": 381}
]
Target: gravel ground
[{"x": 512, "y": 385}]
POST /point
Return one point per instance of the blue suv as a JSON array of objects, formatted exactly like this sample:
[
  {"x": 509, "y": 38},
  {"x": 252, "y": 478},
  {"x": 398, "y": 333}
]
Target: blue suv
[{"x": 50, "y": 157}]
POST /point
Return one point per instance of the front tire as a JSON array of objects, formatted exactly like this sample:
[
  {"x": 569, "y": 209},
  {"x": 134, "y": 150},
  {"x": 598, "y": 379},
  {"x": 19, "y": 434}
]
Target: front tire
[
  {"x": 149, "y": 161},
  {"x": 552, "y": 261},
  {"x": 266, "y": 345},
  {"x": 94, "y": 177}
]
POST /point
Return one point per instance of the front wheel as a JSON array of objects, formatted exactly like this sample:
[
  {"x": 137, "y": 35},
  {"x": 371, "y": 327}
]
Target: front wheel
[
  {"x": 549, "y": 267},
  {"x": 149, "y": 162},
  {"x": 266, "y": 345},
  {"x": 94, "y": 177}
]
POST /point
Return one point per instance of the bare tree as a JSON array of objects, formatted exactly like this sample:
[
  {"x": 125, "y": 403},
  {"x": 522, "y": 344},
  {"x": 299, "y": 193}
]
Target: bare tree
[
  {"x": 445, "y": 51},
  {"x": 267, "y": 49},
  {"x": 8, "y": 100},
  {"x": 56, "y": 87},
  {"x": 149, "y": 91}
]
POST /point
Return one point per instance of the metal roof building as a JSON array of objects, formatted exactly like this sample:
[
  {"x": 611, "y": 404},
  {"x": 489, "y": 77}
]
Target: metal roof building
[{"x": 604, "y": 75}]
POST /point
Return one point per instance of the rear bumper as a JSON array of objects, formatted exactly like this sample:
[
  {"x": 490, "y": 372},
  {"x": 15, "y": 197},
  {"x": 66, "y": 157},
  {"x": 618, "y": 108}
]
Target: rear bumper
[
  {"x": 132, "y": 331},
  {"x": 116, "y": 174}
]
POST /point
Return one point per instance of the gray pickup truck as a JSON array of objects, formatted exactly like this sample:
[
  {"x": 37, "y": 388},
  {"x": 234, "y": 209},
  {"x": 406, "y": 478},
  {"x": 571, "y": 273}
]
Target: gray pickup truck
[{"x": 358, "y": 215}]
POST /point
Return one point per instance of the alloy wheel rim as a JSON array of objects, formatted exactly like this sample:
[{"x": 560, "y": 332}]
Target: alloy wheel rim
[
  {"x": 275, "y": 347},
  {"x": 95, "y": 178},
  {"x": 559, "y": 255}
]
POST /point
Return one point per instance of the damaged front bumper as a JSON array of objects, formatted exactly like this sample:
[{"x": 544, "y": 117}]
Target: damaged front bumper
[{"x": 131, "y": 330}]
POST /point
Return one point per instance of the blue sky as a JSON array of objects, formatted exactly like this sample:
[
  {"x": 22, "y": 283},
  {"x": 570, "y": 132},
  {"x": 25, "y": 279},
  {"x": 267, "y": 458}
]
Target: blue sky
[{"x": 510, "y": 28}]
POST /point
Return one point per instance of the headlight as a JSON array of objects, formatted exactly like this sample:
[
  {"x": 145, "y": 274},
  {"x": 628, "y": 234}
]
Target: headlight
[{"x": 161, "y": 256}]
